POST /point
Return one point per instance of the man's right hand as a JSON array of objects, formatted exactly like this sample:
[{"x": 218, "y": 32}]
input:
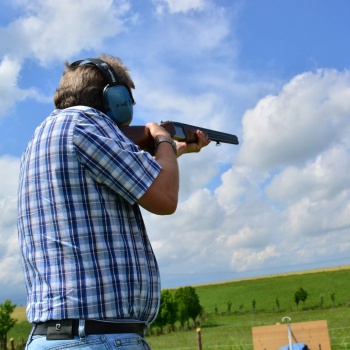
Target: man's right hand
[{"x": 156, "y": 131}]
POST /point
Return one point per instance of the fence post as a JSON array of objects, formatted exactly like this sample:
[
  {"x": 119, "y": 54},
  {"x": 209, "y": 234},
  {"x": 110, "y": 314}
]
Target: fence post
[
  {"x": 199, "y": 339},
  {"x": 12, "y": 344}
]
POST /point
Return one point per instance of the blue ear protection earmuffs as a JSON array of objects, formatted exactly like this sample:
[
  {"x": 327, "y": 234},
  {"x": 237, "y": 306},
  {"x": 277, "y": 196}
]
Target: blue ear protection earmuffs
[{"x": 117, "y": 98}]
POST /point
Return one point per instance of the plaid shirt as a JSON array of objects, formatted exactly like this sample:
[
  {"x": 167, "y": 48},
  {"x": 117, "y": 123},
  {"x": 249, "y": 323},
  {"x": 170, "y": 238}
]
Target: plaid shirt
[{"x": 84, "y": 245}]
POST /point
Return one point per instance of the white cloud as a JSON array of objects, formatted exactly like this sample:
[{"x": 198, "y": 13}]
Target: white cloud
[
  {"x": 267, "y": 219},
  {"x": 247, "y": 259},
  {"x": 318, "y": 218},
  {"x": 10, "y": 261},
  {"x": 8, "y": 176},
  {"x": 180, "y": 236},
  {"x": 311, "y": 113},
  {"x": 9, "y": 90},
  {"x": 178, "y": 6},
  {"x": 9, "y": 71},
  {"x": 234, "y": 186},
  {"x": 48, "y": 31},
  {"x": 325, "y": 177},
  {"x": 51, "y": 30}
]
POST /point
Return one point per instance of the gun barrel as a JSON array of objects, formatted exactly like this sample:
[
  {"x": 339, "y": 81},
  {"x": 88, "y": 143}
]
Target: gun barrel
[
  {"x": 219, "y": 136},
  {"x": 185, "y": 132}
]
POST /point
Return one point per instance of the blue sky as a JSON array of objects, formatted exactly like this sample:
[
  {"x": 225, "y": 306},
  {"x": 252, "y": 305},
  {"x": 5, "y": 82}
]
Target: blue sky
[{"x": 275, "y": 73}]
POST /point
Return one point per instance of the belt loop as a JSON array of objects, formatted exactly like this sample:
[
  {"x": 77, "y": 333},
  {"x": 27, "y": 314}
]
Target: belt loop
[{"x": 81, "y": 329}]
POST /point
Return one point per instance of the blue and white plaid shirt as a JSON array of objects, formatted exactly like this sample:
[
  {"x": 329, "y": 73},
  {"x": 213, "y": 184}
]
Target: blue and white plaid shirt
[{"x": 84, "y": 245}]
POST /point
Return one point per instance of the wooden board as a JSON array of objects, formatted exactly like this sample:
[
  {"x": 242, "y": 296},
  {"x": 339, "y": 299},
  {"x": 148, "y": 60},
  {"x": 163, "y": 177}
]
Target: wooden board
[{"x": 314, "y": 334}]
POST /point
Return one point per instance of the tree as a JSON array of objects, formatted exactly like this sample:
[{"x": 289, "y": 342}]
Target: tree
[
  {"x": 333, "y": 299},
  {"x": 167, "y": 311},
  {"x": 229, "y": 305},
  {"x": 6, "y": 321},
  {"x": 278, "y": 305},
  {"x": 300, "y": 295},
  {"x": 254, "y": 306},
  {"x": 321, "y": 301},
  {"x": 188, "y": 304}
]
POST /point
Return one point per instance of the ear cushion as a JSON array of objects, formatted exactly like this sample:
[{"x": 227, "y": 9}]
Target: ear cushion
[{"x": 119, "y": 103}]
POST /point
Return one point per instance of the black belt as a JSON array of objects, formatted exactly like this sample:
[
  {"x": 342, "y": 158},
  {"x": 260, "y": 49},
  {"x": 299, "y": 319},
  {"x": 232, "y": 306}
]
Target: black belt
[{"x": 91, "y": 327}]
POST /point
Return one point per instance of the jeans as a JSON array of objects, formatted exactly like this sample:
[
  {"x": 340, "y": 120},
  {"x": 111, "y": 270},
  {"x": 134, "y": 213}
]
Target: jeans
[
  {"x": 91, "y": 342},
  {"x": 121, "y": 341}
]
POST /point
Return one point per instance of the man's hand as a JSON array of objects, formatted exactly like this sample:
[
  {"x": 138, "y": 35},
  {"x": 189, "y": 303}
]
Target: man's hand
[
  {"x": 156, "y": 131},
  {"x": 193, "y": 147}
]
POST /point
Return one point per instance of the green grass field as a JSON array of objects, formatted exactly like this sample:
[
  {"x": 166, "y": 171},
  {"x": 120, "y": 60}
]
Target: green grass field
[{"x": 221, "y": 329}]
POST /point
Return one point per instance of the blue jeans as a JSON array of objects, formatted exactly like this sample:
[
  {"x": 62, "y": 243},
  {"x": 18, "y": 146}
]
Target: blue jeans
[
  {"x": 91, "y": 342},
  {"x": 125, "y": 341}
]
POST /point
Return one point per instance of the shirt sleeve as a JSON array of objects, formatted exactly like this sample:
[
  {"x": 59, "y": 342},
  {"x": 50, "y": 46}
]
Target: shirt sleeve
[{"x": 114, "y": 161}]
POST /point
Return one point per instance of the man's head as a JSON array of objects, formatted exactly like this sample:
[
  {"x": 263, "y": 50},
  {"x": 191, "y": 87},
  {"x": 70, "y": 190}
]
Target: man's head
[{"x": 92, "y": 83}]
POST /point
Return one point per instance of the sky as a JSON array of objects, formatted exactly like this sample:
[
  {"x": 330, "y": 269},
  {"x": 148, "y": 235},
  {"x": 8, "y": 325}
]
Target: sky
[{"x": 275, "y": 73}]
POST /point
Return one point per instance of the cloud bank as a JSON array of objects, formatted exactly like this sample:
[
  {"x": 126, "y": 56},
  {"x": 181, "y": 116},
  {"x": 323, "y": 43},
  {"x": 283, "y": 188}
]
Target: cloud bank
[
  {"x": 285, "y": 200},
  {"x": 277, "y": 202}
]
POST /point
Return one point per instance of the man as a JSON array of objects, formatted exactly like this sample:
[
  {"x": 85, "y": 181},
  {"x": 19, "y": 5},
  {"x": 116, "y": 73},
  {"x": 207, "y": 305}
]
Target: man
[{"x": 91, "y": 276}]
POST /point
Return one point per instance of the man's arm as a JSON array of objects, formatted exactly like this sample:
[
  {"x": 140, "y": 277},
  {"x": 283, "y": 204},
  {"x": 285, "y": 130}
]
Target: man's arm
[{"x": 162, "y": 196}]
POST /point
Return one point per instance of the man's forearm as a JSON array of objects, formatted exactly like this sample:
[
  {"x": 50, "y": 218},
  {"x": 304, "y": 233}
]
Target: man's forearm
[{"x": 162, "y": 196}]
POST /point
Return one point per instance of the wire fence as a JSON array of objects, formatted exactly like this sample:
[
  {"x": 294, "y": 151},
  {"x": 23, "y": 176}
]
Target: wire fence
[
  {"x": 339, "y": 340},
  {"x": 340, "y": 337}
]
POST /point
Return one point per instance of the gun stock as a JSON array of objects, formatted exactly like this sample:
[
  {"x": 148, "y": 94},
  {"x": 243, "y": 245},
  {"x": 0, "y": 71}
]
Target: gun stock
[{"x": 178, "y": 132}]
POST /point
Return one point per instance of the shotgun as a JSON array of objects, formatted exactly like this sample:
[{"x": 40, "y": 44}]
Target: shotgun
[{"x": 178, "y": 132}]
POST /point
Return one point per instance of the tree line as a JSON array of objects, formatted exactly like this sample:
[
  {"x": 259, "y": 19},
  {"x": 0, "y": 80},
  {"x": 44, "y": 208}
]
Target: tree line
[
  {"x": 181, "y": 306},
  {"x": 300, "y": 295}
]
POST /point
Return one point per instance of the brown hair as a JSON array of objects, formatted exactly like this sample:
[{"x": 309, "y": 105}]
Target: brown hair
[{"x": 84, "y": 84}]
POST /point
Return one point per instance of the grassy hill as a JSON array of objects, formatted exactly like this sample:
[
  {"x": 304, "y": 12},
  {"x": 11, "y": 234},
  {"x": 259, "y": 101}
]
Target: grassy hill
[
  {"x": 265, "y": 291},
  {"x": 328, "y": 299}
]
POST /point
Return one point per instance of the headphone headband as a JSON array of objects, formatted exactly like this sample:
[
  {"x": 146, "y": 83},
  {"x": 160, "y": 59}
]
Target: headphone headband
[
  {"x": 118, "y": 102},
  {"x": 107, "y": 71}
]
